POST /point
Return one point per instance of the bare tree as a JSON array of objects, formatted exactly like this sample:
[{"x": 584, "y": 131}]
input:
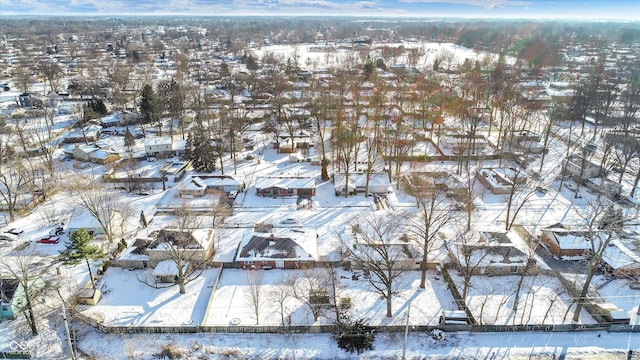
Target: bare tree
[
  {"x": 280, "y": 295},
  {"x": 381, "y": 250},
  {"x": 120, "y": 77},
  {"x": 25, "y": 275},
  {"x": 345, "y": 142},
  {"x": 103, "y": 205},
  {"x": 219, "y": 211},
  {"x": 602, "y": 221},
  {"x": 434, "y": 213},
  {"x": 51, "y": 72},
  {"x": 525, "y": 271},
  {"x": 520, "y": 191},
  {"x": 469, "y": 261},
  {"x": 311, "y": 289},
  {"x": 255, "y": 292},
  {"x": 189, "y": 254},
  {"x": 15, "y": 179}
]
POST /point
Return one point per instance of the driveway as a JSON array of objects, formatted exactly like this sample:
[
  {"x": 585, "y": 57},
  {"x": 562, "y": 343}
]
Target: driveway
[{"x": 561, "y": 266}]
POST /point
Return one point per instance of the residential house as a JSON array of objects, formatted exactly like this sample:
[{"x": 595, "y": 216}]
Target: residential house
[
  {"x": 398, "y": 244},
  {"x": 580, "y": 168},
  {"x": 567, "y": 243},
  {"x": 94, "y": 154},
  {"x": 620, "y": 261},
  {"x": 287, "y": 146},
  {"x": 195, "y": 246},
  {"x": 12, "y": 295},
  {"x": 158, "y": 147},
  {"x": 494, "y": 253},
  {"x": 449, "y": 183},
  {"x": 285, "y": 186},
  {"x": 524, "y": 141},
  {"x": 464, "y": 143},
  {"x": 85, "y": 135},
  {"x": 283, "y": 249},
  {"x": 83, "y": 219},
  {"x": 500, "y": 180},
  {"x": 378, "y": 183}
]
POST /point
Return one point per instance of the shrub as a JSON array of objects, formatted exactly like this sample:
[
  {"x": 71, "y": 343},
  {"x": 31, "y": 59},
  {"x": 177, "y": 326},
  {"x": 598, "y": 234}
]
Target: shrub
[
  {"x": 438, "y": 335},
  {"x": 171, "y": 351},
  {"x": 345, "y": 303},
  {"x": 354, "y": 335}
]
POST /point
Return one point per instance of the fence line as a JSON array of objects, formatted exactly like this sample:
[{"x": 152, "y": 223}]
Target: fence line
[{"x": 317, "y": 329}]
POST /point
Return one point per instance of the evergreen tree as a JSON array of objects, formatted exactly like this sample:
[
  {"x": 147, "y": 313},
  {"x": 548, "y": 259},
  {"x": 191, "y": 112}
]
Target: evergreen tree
[
  {"x": 200, "y": 151},
  {"x": 143, "y": 219},
  {"x": 129, "y": 140},
  {"x": 78, "y": 249},
  {"x": 149, "y": 105}
]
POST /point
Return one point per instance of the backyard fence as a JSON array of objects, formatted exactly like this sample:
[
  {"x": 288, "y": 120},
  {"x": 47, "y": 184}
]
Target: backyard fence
[{"x": 317, "y": 329}]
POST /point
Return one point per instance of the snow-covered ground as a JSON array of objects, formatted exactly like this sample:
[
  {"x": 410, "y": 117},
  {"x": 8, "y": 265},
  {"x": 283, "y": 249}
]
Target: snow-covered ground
[{"x": 128, "y": 302}]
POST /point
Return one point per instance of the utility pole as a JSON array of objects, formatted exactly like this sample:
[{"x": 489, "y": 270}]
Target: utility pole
[
  {"x": 66, "y": 327},
  {"x": 406, "y": 333}
]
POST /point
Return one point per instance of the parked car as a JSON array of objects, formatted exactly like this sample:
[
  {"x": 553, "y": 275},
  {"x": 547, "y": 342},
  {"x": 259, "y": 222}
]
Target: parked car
[
  {"x": 233, "y": 194},
  {"x": 7, "y": 237},
  {"x": 14, "y": 231},
  {"x": 249, "y": 157},
  {"x": 289, "y": 221},
  {"x": 57, "y": 231},
  {"x": 49, "y": 240}
]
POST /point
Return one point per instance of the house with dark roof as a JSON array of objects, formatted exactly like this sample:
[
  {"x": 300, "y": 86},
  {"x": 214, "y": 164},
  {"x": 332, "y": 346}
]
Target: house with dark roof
[
  {"x": 282, "y": 249},
  {"x": 285, "y": 186}
]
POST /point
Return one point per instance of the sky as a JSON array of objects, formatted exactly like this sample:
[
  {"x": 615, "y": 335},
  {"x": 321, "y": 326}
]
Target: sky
[{"x": 535, "y": 9}]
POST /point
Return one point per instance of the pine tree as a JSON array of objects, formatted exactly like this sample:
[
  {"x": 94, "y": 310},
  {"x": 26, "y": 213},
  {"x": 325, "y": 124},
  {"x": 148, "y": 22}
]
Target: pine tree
[
  {"x": 129, "y": 140},
  {"x": 200, "y": 151},
  {"x": 78, "y": 248},
  {"x": 149, "y": 105},
  {"x": 143, "y": 219}
]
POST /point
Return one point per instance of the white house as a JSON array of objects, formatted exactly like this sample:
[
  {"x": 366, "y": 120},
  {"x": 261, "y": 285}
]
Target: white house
[{"x": 158, "y": 146}]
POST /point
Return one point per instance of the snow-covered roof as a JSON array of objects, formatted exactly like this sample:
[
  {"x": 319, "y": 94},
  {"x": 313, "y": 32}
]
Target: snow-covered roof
[
  {"x": 360, "y": 180},
  {"x": 574, "y": 239},
  {"x": 285, "y": 183},
  {"x": 619, "y": 256},
  {"x": 288, "y": 244},
  {"x": 168, "y": 267},
  {"x": 154, "y": 141}
]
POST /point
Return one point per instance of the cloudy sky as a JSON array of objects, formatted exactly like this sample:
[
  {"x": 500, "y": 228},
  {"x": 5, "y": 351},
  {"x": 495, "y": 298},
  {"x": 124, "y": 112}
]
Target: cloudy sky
[{"x": 540, "y": 9}]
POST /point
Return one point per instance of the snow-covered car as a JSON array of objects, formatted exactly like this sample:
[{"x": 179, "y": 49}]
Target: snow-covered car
[
  {"x": 8, "y": 237},
  {"x": 289, "y": 221}
]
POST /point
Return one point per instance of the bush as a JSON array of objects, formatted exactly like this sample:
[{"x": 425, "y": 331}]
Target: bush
[
  {"x": 354, "y": 335},
  {"x": 438, "y": 335},
  {"x": 171, "y": 351},
  {"x": 345, "y": 303}
]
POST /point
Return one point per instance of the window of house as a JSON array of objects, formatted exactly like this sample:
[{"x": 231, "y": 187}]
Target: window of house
[{"x": 514, "y": 269}]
